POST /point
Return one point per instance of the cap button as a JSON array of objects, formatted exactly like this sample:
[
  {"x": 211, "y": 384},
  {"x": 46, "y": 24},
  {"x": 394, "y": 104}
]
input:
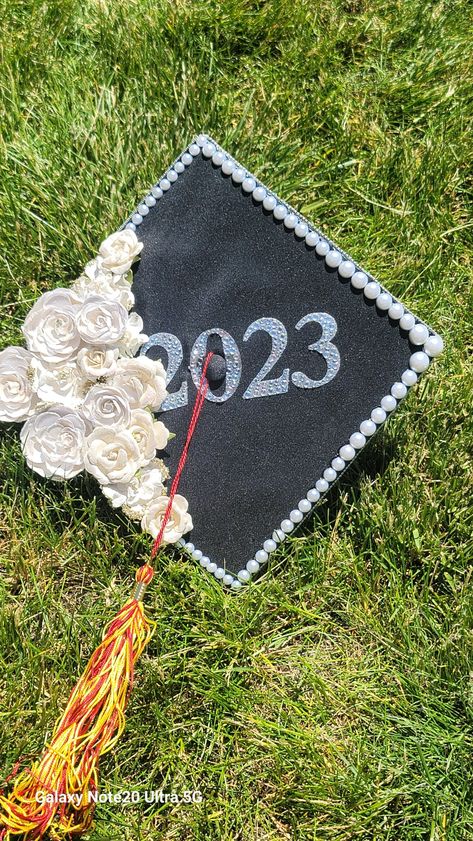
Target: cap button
[{"x": 216, "y": 370}]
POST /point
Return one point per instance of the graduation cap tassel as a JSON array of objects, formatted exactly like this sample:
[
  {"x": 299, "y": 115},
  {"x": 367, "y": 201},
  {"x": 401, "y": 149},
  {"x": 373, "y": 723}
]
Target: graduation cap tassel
[{"x": 58, "y": 793}]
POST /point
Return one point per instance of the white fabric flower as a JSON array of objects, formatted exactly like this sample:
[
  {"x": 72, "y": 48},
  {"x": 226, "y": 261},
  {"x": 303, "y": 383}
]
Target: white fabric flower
[
  {"x": 146, "y": 431},
  {"x": 112, "y": 455},
  {"x": 132, "y": 338},
  {"x": 119, "y": 251},
  {"x": 180, "y": 521},
  {"x": 60, "y": 384},
  {"x": 144, "y": 381},
  {"x": 53, "y": 443},
  {"x": 17, "y": 398},
  {"x": 96, "y": 362},
  {"x": 107, "y": 405},
  {"x": 146, "y": 486},
  {"x": 50, "y": 328},
  {"x": 101, "y": 321},
  {"x": 114, "y": 287},
  {"x": 161, "y": 435}
]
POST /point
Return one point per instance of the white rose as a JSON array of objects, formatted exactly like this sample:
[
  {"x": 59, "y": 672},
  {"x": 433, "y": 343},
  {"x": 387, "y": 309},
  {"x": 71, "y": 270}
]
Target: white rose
[
  {"x": 112, "y": 455},
  {"x": 53, "y": 443},
  {"x": 161, "y": 435},
  {"x": 61, "y": 384},
  {"x": 137, "y": 495},
  {"x": 100, "y": 321},
  {"x": 179, "y": 522},
  {"x": 119, "y": 251},
  {"x": 17, "y": 398},
  {"x": 107, "y": 405},
  {"x": 147, "y": 432},
  {"x": 132, "y": 338},
  {"x": 96, "y": 362},
  {"x": 50, "y": 328},
  {"x": 105, "y": 285},
  {"x": 143, "y": 380}
]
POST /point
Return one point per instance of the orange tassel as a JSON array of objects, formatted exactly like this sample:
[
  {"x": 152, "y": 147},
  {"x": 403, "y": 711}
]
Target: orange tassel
[{"x": 57, "y": 793}]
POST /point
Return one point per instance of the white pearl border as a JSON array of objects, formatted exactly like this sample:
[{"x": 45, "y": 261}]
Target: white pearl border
[{"x": 430, "y": 344}]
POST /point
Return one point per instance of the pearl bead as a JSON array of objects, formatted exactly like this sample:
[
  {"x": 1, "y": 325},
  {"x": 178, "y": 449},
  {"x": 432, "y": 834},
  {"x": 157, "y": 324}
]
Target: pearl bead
[
  {"x": 417, "y": 334},
  {"x": 367, "y": 427},
  {"x": 346, "y": 268},
  {"x": 333, "y": 258},
  {"x": 181, "y": 542},
  {"x": 131, "y": 226},
  {"x": 143, "y": 209},
  {"x": 290, "y": 221},
  {"x": 407, "y": 321},
  {"x": 287, "y": 526},
  {"x": 244, "y": 575},
  {"x": 409, "y": 377},
  {"x": 208, "y": 150},
  {"x": 278, "y": 536},
  {"x": 179, "y": 167},
  {"x": 219, "y": 573},
  {"x": 330, "y": 474},
  {"x": 236, "y": 585},
  {"x": 388, "y": 403},
  {"x": 186, "y": 159},
  {"x": 252, "y": 566},
  {"x": 218, "y": 158},
  {"x": 137, "y": 218},
  {"x": 157, "y": 192},
  {"x": 261, "y": 556},
  {"x": 248, "y": 185},
  {"x": 269, "y": 203},
  {"x": 357, "y": 440},
  {"x": 419, "y": 361},
  {"x": 396, "y": 311},
  {"x": 359, "y": 280},
  {"x": 313, "y": 495},
  {"x": 172, "y": 175},
  {"x": 238, "y": 175},
  {"x": 321, "y": 485},
  {"x": 197, "y": 554},
  {"x": 212, "y": 568},
  {"x": 228, "y": 579},
  {"x": 194, "y": 149},
  {"x": 190, "y": 547},
  {"x": 204, "y": 561},
  {"x": 338, "y": 464},
  {"x": 384, "y": 301},
  {"x": 371, "y": 290},
  {"x": 322, "y": 248},
  {"x": 296, "y": 516},
  {"x": 164, "y": 184},
  {"x": 311, "y": 239},
  {"x": 304, "y": 506},
  {"x": 301, "y": 230},
  {"x": 347, "y": 452},
  {"x": 269, "y": 545},
  {"x": 279, "y": 212},
  {"x": 398, "y": 390},
  {"x": 259, "y": 193},
  {"x": 434, "y": 345},
  {"x": 150, "y": 201},
  {"x": 378, "y": 415},
  {"x": 201, "y": 139},
  {"x": 228, "y": 166}
]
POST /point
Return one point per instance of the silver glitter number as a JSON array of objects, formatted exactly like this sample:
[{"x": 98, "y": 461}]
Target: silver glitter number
[
  {"x": 323, "y": 346},
  {"x": 173, "y": 348},
  {"x": 232, "y": 359},
  {"x": 259, "y": 387}
]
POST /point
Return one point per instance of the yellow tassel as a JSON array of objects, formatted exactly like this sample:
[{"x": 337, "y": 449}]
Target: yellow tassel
[{"x": 57, "y": 793}]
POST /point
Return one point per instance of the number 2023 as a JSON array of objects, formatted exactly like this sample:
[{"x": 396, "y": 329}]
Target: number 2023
[{"x": 259, "y": 386}]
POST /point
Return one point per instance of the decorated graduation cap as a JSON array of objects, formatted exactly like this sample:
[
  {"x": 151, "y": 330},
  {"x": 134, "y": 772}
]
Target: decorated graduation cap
[{"x": 243, "y": 328}]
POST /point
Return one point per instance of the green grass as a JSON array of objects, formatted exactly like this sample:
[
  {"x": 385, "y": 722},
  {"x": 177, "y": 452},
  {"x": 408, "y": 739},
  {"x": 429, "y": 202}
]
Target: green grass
[{"x": 332, "y": 700}]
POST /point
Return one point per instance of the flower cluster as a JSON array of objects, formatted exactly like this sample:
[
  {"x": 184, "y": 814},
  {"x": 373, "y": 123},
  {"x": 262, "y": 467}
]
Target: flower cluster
[{"x": 86, "y": 401}]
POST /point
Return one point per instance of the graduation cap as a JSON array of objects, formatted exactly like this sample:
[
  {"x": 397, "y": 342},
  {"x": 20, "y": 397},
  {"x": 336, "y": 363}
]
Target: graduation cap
[{"x": 311, "y": 354}]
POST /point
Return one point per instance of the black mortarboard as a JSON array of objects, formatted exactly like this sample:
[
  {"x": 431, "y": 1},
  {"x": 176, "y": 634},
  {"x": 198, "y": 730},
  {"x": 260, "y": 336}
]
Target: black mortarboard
[{"x": 311, "y": 354}]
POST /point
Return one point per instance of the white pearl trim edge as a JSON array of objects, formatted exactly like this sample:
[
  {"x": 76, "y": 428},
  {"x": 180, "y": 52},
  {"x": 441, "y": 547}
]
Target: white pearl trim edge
[{"x": 426, "y": 344}]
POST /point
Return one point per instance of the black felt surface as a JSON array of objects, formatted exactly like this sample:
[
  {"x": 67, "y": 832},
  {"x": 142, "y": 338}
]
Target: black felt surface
[{"x": 214, "y": 258}]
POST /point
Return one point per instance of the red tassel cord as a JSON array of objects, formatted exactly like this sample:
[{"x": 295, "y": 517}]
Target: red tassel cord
[{"x": 57, "y": 793}]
